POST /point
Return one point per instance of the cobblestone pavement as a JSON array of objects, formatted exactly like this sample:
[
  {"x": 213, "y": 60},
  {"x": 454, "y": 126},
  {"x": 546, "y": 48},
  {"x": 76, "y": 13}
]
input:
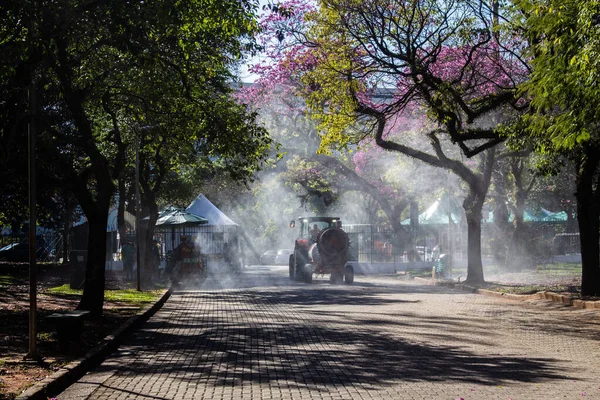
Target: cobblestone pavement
[{"x": 381, "y": 338}]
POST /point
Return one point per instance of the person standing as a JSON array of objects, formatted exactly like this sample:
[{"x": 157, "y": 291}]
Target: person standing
[{"x": 128, "y": 256}]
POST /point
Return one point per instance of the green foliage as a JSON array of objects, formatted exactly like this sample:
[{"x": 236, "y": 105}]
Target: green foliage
[
  {"x": 110, "y": 71},
  {"x": 565, "y": 57},
  {"x": 565, "y": 105},
  {"x": 312, "y": 182},
  {"x": 332, "y": 105}
]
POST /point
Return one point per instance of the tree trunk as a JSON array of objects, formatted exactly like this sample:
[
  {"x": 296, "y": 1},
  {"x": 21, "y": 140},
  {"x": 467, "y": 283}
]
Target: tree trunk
[
  {"x": 478, "y": 184},
  {"x": 473, "y": 205},
  {"x": 65, "y": 247},
  {"x": 588, "y": 215},
  {"x": 590, "y": 250},
  {"x": 93, "y": 290},
  {"x": 93, "y": 186},
  {"x": 521, "y": 245}
]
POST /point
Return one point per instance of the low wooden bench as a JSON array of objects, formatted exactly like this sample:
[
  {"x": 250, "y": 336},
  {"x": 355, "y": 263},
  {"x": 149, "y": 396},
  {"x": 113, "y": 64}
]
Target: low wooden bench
[{"x": 69, "y": 326}]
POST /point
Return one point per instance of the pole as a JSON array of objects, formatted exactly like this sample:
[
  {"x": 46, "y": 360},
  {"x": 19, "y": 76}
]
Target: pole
[
  {"x": 33, "y": 353},
  {"x": 137, "y": 208},
  {"x": 449, "y": 219}
]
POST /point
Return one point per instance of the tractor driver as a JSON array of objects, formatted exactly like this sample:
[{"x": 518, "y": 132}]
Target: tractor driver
[{"x": 314, "y": 232}]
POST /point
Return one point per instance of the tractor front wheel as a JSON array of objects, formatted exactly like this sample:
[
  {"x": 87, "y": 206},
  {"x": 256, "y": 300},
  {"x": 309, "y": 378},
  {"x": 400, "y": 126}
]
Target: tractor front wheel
[{"x": 291, "y": 267}]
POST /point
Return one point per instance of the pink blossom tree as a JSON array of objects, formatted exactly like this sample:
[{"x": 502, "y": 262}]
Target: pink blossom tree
[
  {"x": 320, "y": 176},
  {"x": 362, "y": 65}
]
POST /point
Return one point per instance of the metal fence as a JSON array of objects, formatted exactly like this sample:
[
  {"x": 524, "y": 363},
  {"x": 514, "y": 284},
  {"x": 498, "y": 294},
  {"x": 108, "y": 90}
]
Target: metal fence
[
  {"x": 368, "y": 243},
  {"x": 210, "y": 238},
  {"x": 216, "y": 242},
  {"x": 375, "y": 244}
]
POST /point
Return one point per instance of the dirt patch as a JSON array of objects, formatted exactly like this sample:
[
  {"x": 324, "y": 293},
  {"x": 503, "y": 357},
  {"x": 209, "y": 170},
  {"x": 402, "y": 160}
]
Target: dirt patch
[{"x": 16, "y": 374}]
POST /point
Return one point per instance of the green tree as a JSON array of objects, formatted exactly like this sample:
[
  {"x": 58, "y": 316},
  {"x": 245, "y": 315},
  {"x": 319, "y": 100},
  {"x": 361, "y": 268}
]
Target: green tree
[
  {"x": 512, "y": 184},
  {"x": 565, "y": 106},
  {"x": 100, "y": 70},
  {"x": 231, "y": 144}
]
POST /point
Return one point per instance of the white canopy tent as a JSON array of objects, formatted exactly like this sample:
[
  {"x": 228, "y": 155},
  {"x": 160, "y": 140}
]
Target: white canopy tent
[{"x": 203, "y": 207}]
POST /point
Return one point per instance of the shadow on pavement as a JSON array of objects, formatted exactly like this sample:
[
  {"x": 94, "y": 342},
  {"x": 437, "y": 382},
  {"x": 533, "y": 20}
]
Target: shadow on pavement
[
  {"x": 318, "y": 355},
  {"x": 232, "y": 337}
]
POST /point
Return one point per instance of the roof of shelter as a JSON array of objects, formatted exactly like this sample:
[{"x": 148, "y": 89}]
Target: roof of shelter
[
  {"x": 175, "y": 216},
  {"x": 536, "y": 215},
  {"x": 202, "y": 206}
]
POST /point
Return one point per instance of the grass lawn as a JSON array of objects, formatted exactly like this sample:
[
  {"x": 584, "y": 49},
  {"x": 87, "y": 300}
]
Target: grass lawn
[
  {"x": 6, "y": 280},
  {"x": 130, "y": 296}
]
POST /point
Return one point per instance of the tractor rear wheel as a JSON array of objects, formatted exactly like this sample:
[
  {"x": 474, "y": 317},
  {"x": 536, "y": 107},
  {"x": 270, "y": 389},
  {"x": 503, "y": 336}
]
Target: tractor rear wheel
[
  {"x": 308, "y": 273},
  {"x": 299, "y": 264},
  {"x": 349, "y": 274}
]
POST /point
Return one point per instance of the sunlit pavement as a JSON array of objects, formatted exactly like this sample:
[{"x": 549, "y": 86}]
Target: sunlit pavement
[{"x": 261, "y": 336}]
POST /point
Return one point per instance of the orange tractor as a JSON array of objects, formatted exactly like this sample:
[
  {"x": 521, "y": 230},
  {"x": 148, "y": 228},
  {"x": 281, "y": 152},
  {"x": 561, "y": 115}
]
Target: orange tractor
[{"x": 321, "y": 248}]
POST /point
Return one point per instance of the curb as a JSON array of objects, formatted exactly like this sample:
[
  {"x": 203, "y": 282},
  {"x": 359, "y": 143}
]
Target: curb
[
  {"x": 70, "y": 373},
  {"x": 551, "y": 296},
  {"x": 566, "y": 299}
]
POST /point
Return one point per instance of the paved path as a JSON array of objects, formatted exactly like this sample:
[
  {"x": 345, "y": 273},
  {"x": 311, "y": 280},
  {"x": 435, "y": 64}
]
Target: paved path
[{"x": 269, "y": 338}]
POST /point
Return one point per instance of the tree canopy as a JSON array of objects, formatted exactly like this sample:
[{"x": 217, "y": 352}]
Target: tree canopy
[
  {"x": 562, "y": 122},
  {"x": 563, "y": 85},
  {"x": 108, "y": 71}
]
